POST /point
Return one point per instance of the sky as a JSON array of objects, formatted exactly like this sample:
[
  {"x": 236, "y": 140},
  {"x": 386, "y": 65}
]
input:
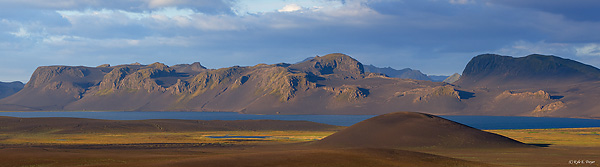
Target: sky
[{"x": 438, "y": 37}]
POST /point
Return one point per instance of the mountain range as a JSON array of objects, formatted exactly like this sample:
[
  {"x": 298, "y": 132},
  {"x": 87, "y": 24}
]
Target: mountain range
[
  {"x": 535, "y": 85},
  {"x": 406, "y": 73},
  {"x": 10, "y": 88}
]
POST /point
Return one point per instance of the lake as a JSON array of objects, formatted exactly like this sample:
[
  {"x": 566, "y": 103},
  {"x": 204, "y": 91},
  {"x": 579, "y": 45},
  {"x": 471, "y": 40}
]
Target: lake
[{"x": 481, "y": 122}]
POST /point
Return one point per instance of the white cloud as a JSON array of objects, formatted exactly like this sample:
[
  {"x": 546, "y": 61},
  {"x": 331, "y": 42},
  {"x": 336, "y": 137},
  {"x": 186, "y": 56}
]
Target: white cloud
[
  {"x": 161, "y": 3},
  {"x": 22, "y": 33},
  {"x": 461, "y": 2},
  {"x": 112, "y": 43},
  {"x": 354, "y": 9},
  {"x": 205, "y": 6},
  {"x": 290, "y": 8},
  {"x": 174, "y": 12},
  {"x": 244, "y": 7},
  {"x": 523, "y": 48},
  {"x": 592, "y": 49},
  {"x": 157, "y": 19},
  {"x": 350, "y": 13}
]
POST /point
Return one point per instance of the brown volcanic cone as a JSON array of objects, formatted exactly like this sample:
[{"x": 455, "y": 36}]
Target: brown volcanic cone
[{"x": 410, "y": 129}]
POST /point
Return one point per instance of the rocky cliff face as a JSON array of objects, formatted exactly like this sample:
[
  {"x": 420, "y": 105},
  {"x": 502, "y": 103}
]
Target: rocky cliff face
[
  {"x": 53, "y": 87},
  {"x": 332, "y": 64},
  {"x": 136, "y": 77},
  {"x": 181, "y": 87},
  {"x": 426, "y": 94},
  {"x": 195, "y": 67}
]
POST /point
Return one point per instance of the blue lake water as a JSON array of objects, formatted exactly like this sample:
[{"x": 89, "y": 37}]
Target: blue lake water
[{"x": 481, "y": 122}]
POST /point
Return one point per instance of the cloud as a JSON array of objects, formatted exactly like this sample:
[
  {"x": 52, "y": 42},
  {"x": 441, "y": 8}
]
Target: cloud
[
  {"x": 579, "y": 10},
  {"x": 205, "y": 6},
  {"x": 161, "y": 3},
  {"x": 437, "y": 37},
  {"x": 523, "y": 48},
  {"x": 592, "y": 49},
  {"x": 588, "y": 53},
  {"x": 290, "y": 8},
  {"x": 100, "y": 22},
  {"x": 462, "y": 2},
  {"x": 22, "y": 33}
]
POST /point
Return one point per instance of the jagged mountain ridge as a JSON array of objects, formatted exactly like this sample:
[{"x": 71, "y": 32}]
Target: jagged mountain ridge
[
  {"x": 334, "y": 84},
  {"x": 331, "y": 84}
]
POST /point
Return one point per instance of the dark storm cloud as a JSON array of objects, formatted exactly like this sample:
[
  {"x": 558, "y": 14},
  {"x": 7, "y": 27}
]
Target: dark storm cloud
[
  {"x": 471, "y": 27},
  {"x": 579, "y": 10}
]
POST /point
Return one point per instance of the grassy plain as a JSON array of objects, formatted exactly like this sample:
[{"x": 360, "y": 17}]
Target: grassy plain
[
  {"x": 574, "y": 137},
  {"x": 560, "y": 147},
  {"x": 571, "y": 137},
  {"x": 162, "y": 137}
]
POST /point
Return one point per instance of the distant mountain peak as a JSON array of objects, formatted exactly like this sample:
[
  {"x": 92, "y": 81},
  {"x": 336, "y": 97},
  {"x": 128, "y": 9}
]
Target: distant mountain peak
[
  {"x": 10, "y": 88},
  {"x": 336, "y": 63},
  {"x": 405, "y": 73},
  {"x": 195, "y": 67},
  {"x": 492, "y": 69},
  {"x": 197, "y": 64},
  {"x": 438, "y": 78},
  {"x": 453, "y": 78}
]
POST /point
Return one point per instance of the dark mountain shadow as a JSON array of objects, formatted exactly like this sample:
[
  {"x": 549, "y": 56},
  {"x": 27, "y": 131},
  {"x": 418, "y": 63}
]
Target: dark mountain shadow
[
  {"x": 465, "y": 94},
  {"x": 539, "y": 144}
]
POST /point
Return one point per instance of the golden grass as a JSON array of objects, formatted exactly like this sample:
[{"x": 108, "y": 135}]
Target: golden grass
[
  {"x": 161, "y": 137},
  {"x": 576, "y": 137}
]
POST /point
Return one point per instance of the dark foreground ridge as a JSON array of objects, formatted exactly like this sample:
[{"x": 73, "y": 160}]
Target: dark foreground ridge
[
  {"x": 331, "y": 158},
  {"x": 411, "y": 129}
]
